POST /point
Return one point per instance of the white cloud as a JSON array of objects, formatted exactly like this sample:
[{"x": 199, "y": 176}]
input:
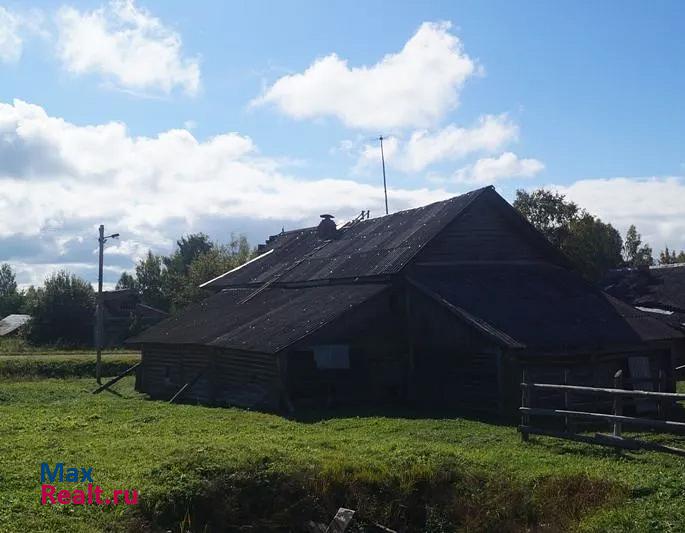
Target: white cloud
[
  {"x": 128, "y": 46},
  {"x": 655, "y": 205},
  {"x": 13, "y": 29},
  {"x": 58, "y": 181},
  {"x": 424, "y": 148},
  {"x": 10, "y": 41},
  {"x": 412, "y": 88},
  {"x": 492, "y": 169}
]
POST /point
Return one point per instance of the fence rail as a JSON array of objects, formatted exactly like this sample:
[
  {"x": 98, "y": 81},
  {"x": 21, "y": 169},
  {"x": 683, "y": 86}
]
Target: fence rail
[{"x": 617, "y": 419}]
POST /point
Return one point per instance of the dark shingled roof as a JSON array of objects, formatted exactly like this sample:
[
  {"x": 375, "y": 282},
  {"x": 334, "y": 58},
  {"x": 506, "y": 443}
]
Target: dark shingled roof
[
  {"x": 268, "y": 322},
  {"x": 658, "y": 287},
  {"x": 371, "y": 247},
  {"x": 546, "y": 307}
]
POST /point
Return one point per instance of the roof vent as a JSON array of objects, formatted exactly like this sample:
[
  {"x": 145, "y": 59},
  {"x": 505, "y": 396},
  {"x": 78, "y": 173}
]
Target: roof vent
[{"x": 327, "y": 229}]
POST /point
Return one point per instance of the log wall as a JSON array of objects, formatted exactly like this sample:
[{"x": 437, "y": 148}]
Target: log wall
[{"x": 226, "y": 377}]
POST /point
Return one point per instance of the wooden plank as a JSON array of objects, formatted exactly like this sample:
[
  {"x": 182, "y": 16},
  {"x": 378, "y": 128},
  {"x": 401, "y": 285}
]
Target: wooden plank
[
  {"x": 603, "y": 390},
  {"x": 340, "y": 521},
  {"x": 115, "y": 379},
  {"x": 660, "y": 424}
]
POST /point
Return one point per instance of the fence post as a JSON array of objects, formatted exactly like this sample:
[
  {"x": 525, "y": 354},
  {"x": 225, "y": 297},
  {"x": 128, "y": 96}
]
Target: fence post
[
  {"x": 567, "y": 419},
  {"x": 661, "y": 412},
  {"x": 525, "y": 419},
  {"x": 618, "y": 402}
]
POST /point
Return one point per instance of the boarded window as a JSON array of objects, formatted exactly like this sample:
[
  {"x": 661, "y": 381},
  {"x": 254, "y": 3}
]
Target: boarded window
[{"x": 332, "y": 356}]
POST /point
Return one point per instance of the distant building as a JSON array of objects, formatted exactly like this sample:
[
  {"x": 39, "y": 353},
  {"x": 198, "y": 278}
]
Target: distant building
[
  {"x": 659, "y": 291},
  {"x": 443, "y": 305},
  {"x": 12, "y": 324},
  {"x": 125, "y": 315}
]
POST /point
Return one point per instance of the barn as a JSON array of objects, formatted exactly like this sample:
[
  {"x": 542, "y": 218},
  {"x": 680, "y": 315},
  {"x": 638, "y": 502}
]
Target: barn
[{"x": 442, "y": 305}]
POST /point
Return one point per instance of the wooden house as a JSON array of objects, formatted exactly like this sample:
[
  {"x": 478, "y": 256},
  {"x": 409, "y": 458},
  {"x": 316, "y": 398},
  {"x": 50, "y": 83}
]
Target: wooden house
[
  {"x": 442, "y": 305},
  {"x": 124, "y": 313}
]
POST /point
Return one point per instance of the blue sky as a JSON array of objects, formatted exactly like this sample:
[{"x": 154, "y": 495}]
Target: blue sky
[{"x": 159, "y": 118}]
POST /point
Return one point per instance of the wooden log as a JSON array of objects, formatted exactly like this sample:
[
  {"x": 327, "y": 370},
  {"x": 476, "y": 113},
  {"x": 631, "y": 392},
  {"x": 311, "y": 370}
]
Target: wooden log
[
  {"x": 115, "y": 379},
  {"x": 603, "y": 390},
  {"x": 647, "y": 422}
]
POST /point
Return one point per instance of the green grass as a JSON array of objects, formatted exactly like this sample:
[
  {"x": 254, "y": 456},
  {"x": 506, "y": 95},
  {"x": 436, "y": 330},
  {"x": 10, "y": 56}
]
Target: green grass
[{"x": 195, "y": 464}]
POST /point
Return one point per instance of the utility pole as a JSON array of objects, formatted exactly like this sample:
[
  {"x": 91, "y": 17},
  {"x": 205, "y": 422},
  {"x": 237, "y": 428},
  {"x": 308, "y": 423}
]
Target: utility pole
[
  {"x": 385, "y": 187},
  {"x": 99, "y": 310}
]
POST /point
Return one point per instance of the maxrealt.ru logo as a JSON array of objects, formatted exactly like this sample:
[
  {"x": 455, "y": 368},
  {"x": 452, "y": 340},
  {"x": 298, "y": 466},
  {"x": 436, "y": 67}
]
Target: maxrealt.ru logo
[{"x": 90, "y": 495}]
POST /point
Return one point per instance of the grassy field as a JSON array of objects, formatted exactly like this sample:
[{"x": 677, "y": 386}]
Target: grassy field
[{"x": 197, "y": 467}]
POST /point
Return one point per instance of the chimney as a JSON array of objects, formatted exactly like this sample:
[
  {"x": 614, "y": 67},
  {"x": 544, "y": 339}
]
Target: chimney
[{"x": 327, "y": 229}]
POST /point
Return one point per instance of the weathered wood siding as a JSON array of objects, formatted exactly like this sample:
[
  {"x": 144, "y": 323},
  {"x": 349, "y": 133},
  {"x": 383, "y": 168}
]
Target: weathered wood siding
[
  {"x": 227, "y": 377},
  {"x": 379, "y": 358},
  {"x": 485, "y": 233},
  {"x": 453, "y": 365}
]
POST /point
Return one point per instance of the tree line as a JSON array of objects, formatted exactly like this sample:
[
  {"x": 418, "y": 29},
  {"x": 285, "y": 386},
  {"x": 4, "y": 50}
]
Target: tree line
[
  {"x": 63, "y": 308},
  {"x": 592, "y": 245}
]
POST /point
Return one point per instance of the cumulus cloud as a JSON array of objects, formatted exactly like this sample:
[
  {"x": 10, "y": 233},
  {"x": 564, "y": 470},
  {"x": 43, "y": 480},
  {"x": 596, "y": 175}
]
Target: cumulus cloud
[
  {"x": 58, "y": 181},
  {"x": 655, "y": 205},
  {"x": 492, "y": 169},
  {"x": 128, "y": 46},
  {"x": 424, "y": 148},
  {"x": 414, "y": 87}
]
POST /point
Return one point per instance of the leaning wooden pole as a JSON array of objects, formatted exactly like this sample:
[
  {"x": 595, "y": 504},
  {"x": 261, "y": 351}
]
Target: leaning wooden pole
[
  {"x": 186, "y": 386},
  {"x": 115, "y": 379}
]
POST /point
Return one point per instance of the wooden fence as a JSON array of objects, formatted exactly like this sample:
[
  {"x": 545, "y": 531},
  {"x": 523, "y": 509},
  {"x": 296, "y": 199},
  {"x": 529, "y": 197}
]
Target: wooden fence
[{"x": 616, "y": 419}]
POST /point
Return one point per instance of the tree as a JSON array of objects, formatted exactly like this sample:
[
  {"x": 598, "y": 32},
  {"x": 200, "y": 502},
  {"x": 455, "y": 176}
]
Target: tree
[
  {"x": 218, "y": 260},
  {"x": 636, "y": 254},
  {"x": 152, "y": 282},
  {"x": 127, "y": 281},
  {"x": 172, "y": 282},
  {"x": 30, "y": 299},
  {"x": 11, "y": 299},
  {"x": 669, "y": 257},
  {"x": 590, "y": 244},
  {"x": 549, "y": 212},
  {"x": 63, "y": 311},
  {"x": 593, "y": 246}
]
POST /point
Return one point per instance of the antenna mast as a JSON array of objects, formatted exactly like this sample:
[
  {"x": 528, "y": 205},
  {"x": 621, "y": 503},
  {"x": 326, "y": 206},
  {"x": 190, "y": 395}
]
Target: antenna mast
[{"x": 385, "y": 187}]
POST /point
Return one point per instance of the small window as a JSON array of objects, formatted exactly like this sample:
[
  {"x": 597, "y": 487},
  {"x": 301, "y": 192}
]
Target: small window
[{"x": 332, "y": 356}]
